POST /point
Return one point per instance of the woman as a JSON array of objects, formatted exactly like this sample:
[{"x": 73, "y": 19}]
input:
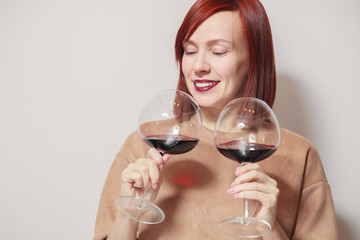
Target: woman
[{"x": 224, "y": 49}]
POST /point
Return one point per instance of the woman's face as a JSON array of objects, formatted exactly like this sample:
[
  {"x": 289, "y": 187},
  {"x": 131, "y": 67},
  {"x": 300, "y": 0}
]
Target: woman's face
[{"x": 215, "y": 61}]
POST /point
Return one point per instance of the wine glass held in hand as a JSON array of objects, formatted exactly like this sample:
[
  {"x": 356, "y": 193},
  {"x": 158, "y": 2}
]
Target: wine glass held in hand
[
  {"x": 171, "y": 123},
  {"x": 246, "y": 131}
]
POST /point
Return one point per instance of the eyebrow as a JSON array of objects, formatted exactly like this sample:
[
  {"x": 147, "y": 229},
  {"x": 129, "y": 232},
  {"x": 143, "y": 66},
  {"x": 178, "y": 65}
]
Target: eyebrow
[{"x": 209, "y": 43}]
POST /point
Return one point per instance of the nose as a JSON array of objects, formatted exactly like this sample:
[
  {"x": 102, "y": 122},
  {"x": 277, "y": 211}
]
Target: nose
[{"x": 201, "y": 64}]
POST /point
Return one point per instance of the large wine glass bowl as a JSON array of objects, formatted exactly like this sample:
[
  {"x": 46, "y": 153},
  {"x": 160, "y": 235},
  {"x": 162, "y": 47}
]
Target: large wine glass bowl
[
  {"x": 246, "y": 131},
  {"x": 171, "y": 122}
]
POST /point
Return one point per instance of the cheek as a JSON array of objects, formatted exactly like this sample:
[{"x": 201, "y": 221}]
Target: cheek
[
  {"x": 238, "y": 70},
  {"x": 186, "y": 70},
  {"x": 224, "y": 70}
]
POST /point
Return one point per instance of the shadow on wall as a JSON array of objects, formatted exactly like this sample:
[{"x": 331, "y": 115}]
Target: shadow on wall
[
  {"x": 291, "y": 111},
  {"x": 290, "y": 107}
]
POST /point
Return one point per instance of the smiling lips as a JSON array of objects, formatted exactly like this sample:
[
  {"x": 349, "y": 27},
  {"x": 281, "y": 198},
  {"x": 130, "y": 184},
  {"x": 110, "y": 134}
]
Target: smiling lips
[{"x": 204, "y": 85}]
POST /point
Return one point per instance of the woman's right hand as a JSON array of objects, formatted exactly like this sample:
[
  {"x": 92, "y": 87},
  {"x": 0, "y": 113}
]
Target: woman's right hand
[{"x": 144, "y": 175}]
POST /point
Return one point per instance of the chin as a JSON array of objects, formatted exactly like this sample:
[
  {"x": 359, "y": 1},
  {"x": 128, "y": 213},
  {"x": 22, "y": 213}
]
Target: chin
[
  {"x": 210, "y": 104},
  {"x": 205, "y": 101}
]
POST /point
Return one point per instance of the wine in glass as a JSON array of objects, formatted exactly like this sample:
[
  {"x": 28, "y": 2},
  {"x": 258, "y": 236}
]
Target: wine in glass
[
  {"x": 171, "y": 123},
  {"x": 246, "y": 131}
]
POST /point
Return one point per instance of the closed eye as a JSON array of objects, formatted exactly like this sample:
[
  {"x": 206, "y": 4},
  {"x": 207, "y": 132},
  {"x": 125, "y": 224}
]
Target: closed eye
[
  {"x": 219, "y": 53},
  {"x": 189, "y": 52}
]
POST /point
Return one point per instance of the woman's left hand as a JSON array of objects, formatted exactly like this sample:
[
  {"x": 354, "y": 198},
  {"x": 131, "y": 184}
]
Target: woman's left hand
[{"x": 253, "y": 183}]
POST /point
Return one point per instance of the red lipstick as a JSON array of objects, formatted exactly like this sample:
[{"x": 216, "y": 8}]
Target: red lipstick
[{"x": 203, "y": 85}]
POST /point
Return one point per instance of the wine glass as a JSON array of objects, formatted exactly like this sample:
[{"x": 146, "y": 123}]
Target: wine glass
[
  {"x": 246, "y": 131},
  {"x": 171, "y": 123}
]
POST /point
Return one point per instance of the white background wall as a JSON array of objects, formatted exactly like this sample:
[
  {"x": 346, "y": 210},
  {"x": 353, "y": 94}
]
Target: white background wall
[{"x": 74, "y": 75}]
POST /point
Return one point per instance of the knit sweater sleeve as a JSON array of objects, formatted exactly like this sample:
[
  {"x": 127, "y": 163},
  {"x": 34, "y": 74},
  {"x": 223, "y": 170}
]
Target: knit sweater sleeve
[
  {"x": 132, "y": 149},
  {"x": 316, "y": 215}
]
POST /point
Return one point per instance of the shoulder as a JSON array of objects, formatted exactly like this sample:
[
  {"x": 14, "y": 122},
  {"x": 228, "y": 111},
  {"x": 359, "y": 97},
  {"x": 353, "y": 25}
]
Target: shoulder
[
  {"x": 133, "y": 148},
  {"x": 295, "y": 150},
  {"x": 289, "y": 138},
  {"x": 304, "y": 155},
  {"x": 295, "y": 143},
  {"x": 133, "y": 137},
  {"x": 134, "y": 141}
]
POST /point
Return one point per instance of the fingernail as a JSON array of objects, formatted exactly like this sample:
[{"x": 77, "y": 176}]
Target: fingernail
[
  {"x": 166, "y": 157},
  {"x": 233, "y": 184},
  {"x": 237, "y": 173},
  {"x": 230, "y": 191},
  {"x": 155, "y": 186},
  {"x": 237, "y": 195},
  {"x": 161, "y": 167}
]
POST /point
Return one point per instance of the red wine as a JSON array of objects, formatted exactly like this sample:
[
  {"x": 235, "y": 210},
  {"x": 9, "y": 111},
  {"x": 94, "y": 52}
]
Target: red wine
[
  {"x": 172, "y": 144},
  {"x": 252, "y": 153}
]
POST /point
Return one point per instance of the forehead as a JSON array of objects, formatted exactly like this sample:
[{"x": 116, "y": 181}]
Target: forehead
[{"x": 222, "y": 25}]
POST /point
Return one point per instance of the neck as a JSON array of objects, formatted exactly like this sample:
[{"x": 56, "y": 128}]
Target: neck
[{"x": 210, "y": 115}]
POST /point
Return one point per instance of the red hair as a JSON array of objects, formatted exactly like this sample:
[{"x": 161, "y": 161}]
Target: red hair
[{"x": 261, "y": 82}]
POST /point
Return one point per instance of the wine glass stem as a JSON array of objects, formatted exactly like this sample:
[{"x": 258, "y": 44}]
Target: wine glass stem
[
  {"x": 141, "y": 198},
  {"x": 246, "y": 211},
  {"x": 246, "y": 203}
]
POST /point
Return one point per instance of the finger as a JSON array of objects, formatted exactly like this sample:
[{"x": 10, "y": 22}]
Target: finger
[
  {"x": 247, "y": 167},
  {"x": 142, "y": 167},
  {"x": 155, "y": 155},
  {"x": 252, "y": 195},
  {"x": 166, "y": 157},
  {"x": 266, "y": 200},
  {"x": 252, "y": 176},
  {"x": 253, "y": 186},
  {"x": 154, "y": 174},
  {"x": 133, "y": 177}
]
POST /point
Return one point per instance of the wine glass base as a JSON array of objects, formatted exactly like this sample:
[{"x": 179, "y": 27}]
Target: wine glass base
[
  {"x": 140, "y": 210},
  {"x": 241, "y": 227}
]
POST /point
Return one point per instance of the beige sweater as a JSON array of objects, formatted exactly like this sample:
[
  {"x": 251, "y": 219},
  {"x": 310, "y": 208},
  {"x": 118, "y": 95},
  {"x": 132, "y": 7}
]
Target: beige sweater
[{"x": 194, "y": 194}]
